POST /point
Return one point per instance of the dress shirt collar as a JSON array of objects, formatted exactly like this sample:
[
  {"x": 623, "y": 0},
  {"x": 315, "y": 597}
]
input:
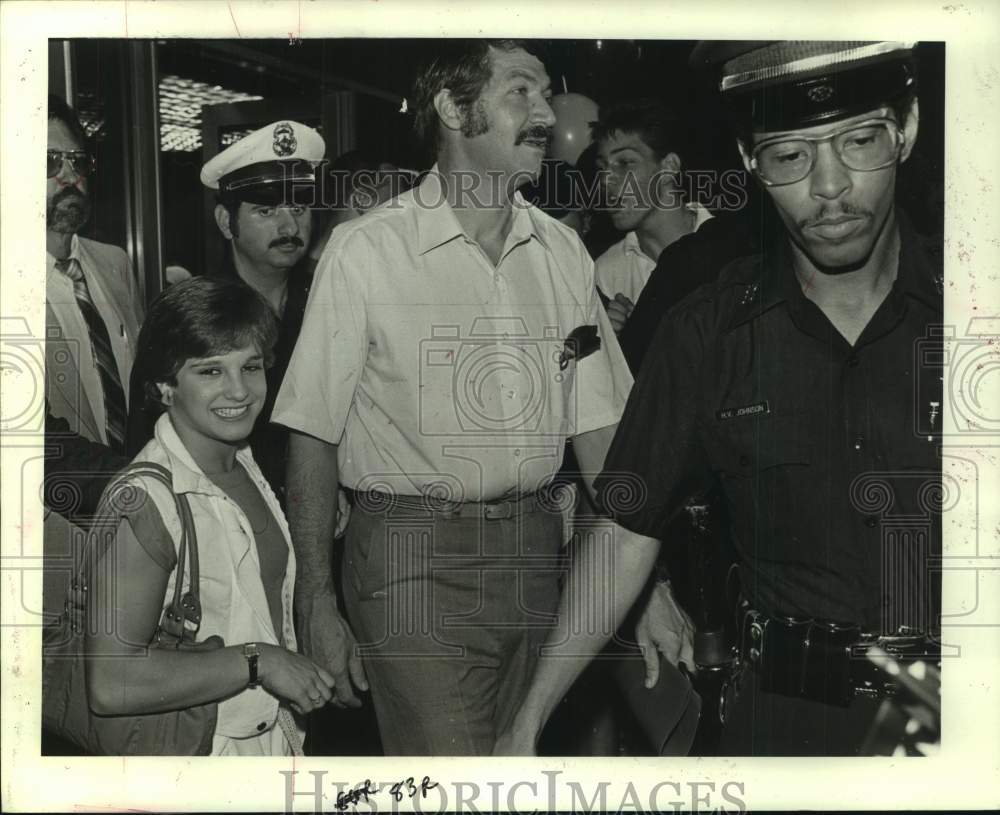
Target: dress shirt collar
[
  {"x": 631, "y": 244},
  {"x": 437, "y": 224},
  {"x": 74, "y": 253}
]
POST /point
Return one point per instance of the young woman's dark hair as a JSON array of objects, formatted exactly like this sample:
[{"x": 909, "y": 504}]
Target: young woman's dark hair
[{"x": 198, "y": 318}]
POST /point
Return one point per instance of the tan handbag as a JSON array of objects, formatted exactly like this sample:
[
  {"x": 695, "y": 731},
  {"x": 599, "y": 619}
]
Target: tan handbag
[{"x": 65, "y": 708}]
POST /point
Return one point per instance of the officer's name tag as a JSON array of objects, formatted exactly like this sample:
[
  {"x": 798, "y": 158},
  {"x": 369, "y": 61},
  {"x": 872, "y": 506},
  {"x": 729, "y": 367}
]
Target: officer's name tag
[{"x": 758, "y": 409}]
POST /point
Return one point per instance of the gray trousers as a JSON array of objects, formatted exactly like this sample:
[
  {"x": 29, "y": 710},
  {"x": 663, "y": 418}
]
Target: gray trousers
[{"x": 449, "y": 613}]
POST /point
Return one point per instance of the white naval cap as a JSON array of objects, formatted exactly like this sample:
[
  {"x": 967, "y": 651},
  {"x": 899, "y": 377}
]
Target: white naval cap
[{"x": 266, "y": 162}]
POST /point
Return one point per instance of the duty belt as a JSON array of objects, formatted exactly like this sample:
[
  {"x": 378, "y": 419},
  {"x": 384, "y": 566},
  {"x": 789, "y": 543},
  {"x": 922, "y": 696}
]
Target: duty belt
[
  {"x": 374, "y": 501},
  {"x": 824, "y": 661}
]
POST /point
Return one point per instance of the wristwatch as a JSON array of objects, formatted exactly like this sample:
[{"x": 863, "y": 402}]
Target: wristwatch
[{"x": 252, "y": 654}]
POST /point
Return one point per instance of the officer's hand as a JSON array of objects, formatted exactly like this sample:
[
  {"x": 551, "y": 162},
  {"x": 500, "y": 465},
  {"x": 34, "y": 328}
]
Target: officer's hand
[
  {"x": 343, "y": 513},
  {"x": 294, "y": 677},
  {"x": 619, "y": 310},
  {"x": 326, "y": 638},
  {"x": 665, "y": 627}
]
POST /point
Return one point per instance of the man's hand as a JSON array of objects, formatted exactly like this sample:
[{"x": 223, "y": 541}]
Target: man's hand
[
  {"x": 326, "y": 638},
  {"x": 619, "y": 310},
  {"x": 665, "y": 627},
  {"x": 294, "y": 677}
]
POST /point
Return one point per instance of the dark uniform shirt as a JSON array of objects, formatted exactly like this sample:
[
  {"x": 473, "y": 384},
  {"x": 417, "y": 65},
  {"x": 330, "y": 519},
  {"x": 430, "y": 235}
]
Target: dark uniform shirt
[
  {"x": 682, "y": 267},
  {"x": 825, "y": 452}
]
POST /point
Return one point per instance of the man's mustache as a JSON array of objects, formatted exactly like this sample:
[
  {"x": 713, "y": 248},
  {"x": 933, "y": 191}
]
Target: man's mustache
[
  {"x": 844, "y": 210},
  {"x": 67, "y": 193},
  {"x": 290, "y": 240},
  {"x": 534, "y": 133}
]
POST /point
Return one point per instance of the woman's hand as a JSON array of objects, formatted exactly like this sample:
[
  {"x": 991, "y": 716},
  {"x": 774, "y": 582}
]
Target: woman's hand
[{"x": 294, "y": 677}]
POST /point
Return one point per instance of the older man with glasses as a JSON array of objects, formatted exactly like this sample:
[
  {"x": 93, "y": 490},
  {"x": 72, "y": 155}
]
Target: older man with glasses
[
  {"x": 92, "y": 300},
  {"x": 92, "y": 314}
]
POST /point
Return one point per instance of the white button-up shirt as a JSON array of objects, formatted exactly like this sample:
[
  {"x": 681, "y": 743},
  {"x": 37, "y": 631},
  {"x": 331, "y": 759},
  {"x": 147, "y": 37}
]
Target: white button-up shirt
[
  {"x": 435, "y": 371},
  {"x": 624, "y": 268}
]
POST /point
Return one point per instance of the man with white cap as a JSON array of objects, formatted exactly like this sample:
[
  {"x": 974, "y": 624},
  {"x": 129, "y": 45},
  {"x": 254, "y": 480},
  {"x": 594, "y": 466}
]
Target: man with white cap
[
  {"x": 791, "y": 383},
  {"x": 266, "y": 185}
]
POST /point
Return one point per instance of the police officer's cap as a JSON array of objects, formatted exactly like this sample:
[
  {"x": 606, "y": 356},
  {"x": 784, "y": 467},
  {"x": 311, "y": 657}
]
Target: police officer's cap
[
  {"x": 273, "y": 165},
  {"x": 789, "y": 84}
]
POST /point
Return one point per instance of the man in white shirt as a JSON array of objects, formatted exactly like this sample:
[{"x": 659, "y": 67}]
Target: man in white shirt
[
  {"x": 433, "y": 378},
  {"x": 639, "y": 151},
  {"x": 92, "y": 303}
]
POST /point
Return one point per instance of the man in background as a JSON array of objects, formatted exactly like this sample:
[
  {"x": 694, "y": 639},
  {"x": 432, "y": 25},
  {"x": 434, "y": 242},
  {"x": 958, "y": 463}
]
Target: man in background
[
  {"x": 92, "y": 315},
  {"x": 640, "y": 155},
  {"x": 92, "y": 302},
  {"x": 266, "y": 185}
]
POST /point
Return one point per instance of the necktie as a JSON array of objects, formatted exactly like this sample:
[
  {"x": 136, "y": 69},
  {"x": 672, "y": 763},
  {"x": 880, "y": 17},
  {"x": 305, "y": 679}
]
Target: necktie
[{"x": 100, "y": 341}]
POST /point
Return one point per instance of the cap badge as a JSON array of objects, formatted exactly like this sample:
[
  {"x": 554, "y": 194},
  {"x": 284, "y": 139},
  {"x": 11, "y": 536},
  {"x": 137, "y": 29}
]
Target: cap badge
[
  {"x": 284, "y": 140},
  {"x": 819, "y": 93}
]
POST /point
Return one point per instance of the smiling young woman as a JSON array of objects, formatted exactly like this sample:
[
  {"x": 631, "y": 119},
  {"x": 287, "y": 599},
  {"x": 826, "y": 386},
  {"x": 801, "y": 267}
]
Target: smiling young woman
[{"x": 202, "y": 354}]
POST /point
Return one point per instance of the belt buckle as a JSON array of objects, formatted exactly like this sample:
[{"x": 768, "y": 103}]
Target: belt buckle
[{"x": 500, "y": 511}]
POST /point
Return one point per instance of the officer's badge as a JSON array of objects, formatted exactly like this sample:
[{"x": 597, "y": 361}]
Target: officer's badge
[{"x": 284, "y": 140}]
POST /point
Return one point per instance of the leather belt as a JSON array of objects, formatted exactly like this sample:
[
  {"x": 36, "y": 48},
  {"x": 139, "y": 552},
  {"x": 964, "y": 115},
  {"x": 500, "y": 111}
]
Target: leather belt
[
  {"x": 823, "y": 660},
  {"x": 376, "y": 502}
]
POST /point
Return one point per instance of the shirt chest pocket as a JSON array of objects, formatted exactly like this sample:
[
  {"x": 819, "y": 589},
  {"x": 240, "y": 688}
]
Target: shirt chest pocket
[
  {"x": 749, "y": 447},
  {"x": 764, "y": 466}
]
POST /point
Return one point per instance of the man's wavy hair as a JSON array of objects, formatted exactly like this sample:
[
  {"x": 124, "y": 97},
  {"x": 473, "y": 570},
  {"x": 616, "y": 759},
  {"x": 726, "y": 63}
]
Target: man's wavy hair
[
  {"x": 463, "y": 67},
  {"x": 198, "y": 318}
]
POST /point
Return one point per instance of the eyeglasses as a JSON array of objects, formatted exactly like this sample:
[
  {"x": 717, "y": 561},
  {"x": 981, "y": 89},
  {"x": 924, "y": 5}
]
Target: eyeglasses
[
  {"x": 79, "y": 162},
  {"x": 864, "y": 147}
]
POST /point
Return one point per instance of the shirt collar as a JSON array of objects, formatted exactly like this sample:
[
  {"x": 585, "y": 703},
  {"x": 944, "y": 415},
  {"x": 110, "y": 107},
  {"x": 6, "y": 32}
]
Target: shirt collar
[
  {"x": 74, "y": 253},
  {"x": 186, "y": 475},
  {"x": 631, "y": 244},
  {"x": 437, "y": 224}
]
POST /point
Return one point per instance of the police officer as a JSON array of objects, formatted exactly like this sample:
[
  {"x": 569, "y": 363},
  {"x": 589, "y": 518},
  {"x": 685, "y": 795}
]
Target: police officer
[
  {"x": 792, "y": 383},
  {"x": 266, "y": 184}
]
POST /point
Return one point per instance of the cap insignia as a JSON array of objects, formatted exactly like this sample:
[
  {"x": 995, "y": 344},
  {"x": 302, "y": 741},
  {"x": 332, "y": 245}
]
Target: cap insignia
[
  {"x": 819, "y": 93},
  {"x": 284, "y": 140}
]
